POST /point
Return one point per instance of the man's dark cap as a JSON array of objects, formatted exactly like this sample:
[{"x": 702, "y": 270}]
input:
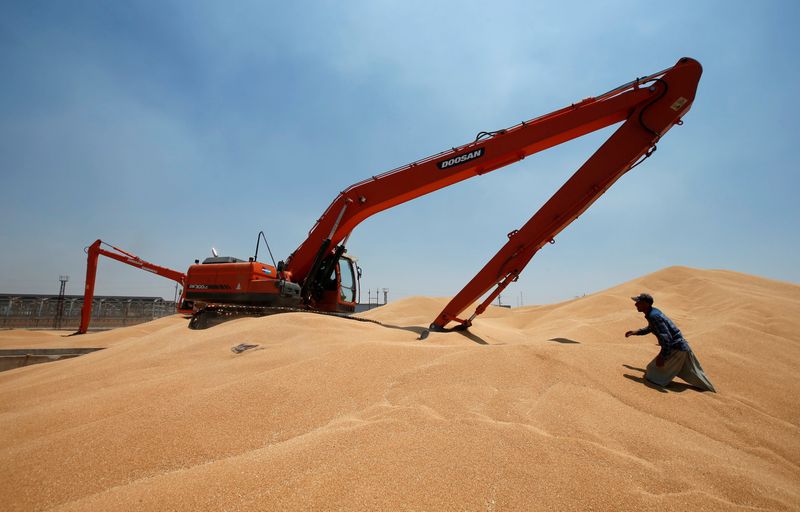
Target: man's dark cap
[{"x": 643, "y": 297}]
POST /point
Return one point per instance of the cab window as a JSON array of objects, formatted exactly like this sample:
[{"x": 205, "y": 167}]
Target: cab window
[{"x": 347, "y": 281}]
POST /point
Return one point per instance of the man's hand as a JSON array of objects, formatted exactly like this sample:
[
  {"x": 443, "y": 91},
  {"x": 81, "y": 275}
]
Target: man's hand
[{"x": 629, "y": 334}]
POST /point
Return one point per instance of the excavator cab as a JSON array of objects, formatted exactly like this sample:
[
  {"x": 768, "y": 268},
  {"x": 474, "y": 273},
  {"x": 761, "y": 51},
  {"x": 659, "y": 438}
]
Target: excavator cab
[
  {"x": 349, "y": 279},
  {"x": 340, "y": 289}
]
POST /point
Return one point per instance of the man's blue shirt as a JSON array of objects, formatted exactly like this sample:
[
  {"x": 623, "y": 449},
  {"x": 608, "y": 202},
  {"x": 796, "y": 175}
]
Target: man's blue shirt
[{"x": 669, "y": 336}]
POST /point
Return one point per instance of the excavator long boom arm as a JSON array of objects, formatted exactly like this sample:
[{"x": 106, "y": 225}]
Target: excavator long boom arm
[
  {"x": 94, "y": 252},
  {"x": 649, "y": 106}
]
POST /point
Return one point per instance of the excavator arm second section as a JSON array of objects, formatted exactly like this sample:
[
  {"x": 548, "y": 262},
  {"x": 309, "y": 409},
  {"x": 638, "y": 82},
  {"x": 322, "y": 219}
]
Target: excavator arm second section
[{"x": 631, "y": 142}]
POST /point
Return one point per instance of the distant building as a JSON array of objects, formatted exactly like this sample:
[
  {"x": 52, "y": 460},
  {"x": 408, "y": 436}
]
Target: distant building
[
  {"x": 366, "y": 307},
  {"x": 373, "y": 301}
]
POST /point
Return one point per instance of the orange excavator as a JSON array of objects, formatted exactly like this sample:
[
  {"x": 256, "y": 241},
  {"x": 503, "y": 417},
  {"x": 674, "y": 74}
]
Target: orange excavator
[
  {"x": 320, "y": 276},
  {"x": 96, "y": 250}
]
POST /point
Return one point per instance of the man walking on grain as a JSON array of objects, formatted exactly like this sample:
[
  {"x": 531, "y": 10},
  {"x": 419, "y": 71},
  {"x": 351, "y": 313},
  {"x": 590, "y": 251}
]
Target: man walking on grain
[{"x": 676, "y": 359}]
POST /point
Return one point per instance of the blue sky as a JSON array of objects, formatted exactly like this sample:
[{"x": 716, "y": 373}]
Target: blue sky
[{"x": 169, "y": 127}]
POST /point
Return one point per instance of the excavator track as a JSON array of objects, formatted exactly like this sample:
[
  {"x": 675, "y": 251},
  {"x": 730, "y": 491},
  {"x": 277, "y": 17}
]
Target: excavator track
[{"x": 212, "y": 315}]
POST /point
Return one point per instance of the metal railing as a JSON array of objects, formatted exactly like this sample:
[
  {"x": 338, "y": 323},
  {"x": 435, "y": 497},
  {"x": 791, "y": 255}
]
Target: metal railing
[{"x": 41, "y": 311}]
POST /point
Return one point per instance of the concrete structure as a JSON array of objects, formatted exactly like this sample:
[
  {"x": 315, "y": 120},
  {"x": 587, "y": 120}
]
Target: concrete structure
[{"x": 16, "y": 358}]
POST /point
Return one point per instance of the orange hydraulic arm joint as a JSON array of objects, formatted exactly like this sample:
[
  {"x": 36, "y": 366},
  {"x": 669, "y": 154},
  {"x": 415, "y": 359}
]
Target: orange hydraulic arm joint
[
  {"x": 671, "y": 95},
  {"x": 94, "y": 251}
]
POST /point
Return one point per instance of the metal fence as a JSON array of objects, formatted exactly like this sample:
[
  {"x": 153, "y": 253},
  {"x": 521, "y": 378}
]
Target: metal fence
[{"x": 42, "y": 311}]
